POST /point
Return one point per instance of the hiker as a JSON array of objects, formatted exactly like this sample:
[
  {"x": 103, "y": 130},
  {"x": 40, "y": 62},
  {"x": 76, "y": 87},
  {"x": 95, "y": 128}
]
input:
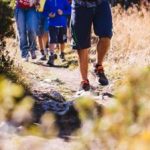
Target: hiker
[
  {"x": 86, "y": 13},
  {"x": 58, "y": 11},
  {"x": 27, "y": 21},
  {"x": 43, "y": 28}
]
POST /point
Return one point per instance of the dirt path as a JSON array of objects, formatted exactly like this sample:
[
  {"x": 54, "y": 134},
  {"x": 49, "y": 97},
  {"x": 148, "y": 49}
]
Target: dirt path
[{"x": 42, "y": 78}]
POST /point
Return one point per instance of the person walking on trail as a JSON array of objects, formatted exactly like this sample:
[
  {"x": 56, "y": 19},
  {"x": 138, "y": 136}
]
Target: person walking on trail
[
  {"x": 27, "y": 22},
  {"x": 58, "y": 11},
  {"x": 86, "y": 13},
  {"x": 43, "y": 28}
]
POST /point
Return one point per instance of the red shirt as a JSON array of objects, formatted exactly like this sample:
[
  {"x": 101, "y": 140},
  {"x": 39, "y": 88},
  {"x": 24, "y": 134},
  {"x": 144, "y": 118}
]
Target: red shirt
[{"x": 26, "y": 3}]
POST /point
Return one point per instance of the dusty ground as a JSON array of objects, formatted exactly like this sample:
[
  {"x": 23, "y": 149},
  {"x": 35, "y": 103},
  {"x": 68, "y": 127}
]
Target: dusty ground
[{"x": 65, "y": 80}]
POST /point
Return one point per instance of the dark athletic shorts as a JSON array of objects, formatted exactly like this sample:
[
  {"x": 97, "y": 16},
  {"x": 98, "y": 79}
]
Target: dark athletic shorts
[
  {"x": 81, "y": 22},
  {"x": 58, "y": 34}
]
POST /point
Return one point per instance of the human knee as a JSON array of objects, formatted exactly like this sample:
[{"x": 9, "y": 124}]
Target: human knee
[{"x": 105, "y": 42}]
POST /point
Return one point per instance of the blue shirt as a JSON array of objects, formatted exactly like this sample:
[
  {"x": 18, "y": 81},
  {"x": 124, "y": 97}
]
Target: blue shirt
[{"x": 52, "y": 6}]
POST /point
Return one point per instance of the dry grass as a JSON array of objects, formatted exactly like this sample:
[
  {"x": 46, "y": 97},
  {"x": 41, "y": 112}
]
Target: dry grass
[{"x": 130, "y": 43}]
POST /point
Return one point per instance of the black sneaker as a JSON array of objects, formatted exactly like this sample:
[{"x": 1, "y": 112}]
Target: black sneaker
[
  {"x": 101, "y": 77},
  {"x": 51, "y": 60},
  {"x": 85, "y": 85},
  {"x": 62, "y": 55}
]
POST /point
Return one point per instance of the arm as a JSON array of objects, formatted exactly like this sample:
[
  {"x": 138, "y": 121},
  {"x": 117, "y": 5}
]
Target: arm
[
  {"x": 48, "y": 9},
  {"x": 67, "y": 8}
]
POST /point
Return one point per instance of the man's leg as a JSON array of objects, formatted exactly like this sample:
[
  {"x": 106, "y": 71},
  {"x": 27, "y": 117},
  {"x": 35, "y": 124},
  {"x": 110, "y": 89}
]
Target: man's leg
[
  {"x": 102, "y": 48},
  {"x": 45, "y": 35},
  {"x": 21, "y": 26},
  {"x": 42, "y": 34},
  {"x": 81, "y": 21},
  {"x": 103, "y": 28},
  {"x": 53, "y": 32},
  {"x": 52, "y": 48},
  {"x": 42, "y": 44},
  {"x": 62, "y": 39},
  {"x": 62, "y": 54},
  {"x": 62, "y": 47},
  {"x": 83, "y": 62},
  {"x": 32, "y": 24},
  {"x": 45, "y": 43},
  {"x": 40, "y": 40},
  {"x": 45, "y": 40}
]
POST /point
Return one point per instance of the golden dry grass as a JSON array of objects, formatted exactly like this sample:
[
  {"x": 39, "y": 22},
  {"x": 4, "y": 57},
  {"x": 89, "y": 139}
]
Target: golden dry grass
[{"x": 130, "y": 43}]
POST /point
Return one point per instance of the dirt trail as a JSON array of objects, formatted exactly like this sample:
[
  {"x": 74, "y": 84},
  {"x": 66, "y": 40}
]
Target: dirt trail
[{"x": 65, "y": 80}]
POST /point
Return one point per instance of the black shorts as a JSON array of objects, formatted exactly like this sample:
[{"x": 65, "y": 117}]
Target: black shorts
[
  {"x": 82, "y": 19},
  {"x": 58, "y": 35}
]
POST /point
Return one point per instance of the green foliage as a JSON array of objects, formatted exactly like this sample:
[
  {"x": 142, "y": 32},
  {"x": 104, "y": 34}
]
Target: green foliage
[
  {"x": 6, "y": 14},
  {"x": 6, "y": 30}
]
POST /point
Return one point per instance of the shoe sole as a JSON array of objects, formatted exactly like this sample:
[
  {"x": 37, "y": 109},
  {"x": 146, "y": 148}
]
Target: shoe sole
[{"x": 43, "y": 59}]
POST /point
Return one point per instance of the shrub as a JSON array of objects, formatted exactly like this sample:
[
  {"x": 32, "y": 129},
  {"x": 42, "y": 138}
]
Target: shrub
[{"x": 6, "y": 30}]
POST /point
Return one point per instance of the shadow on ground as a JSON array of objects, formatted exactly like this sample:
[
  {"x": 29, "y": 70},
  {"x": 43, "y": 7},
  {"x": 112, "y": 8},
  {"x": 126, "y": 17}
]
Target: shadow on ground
[{"x": 67, "y": 117}]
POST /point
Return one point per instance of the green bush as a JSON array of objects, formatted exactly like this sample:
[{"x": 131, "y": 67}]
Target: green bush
[
  {"x": 6, "y": 14},
  {"x": 6, "y": 30}
]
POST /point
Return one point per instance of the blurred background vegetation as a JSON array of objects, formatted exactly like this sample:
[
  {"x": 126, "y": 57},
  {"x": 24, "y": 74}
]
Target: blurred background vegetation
[
  {"x": 122, "y": 124},
  {"x": 6, "y": 30}
]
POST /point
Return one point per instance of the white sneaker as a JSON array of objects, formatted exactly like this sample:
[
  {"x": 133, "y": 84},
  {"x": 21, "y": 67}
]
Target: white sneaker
[
  {"x": 26, "y": 59},
  {"x": 46, "y": 51}
]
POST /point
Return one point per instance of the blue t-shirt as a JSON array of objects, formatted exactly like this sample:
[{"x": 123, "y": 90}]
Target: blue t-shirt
[
  {"x": 52, "y": 6},
  {"x": 86, "y": 3}
]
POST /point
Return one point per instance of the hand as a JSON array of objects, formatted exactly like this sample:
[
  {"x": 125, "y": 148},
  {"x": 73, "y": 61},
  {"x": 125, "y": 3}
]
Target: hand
[
  {"x": 60, "y": 12},
  {"x": 52, "y": 15}
]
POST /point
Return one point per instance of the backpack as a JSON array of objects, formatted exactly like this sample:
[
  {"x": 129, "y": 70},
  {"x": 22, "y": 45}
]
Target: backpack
[
  {"x": 42, "y": 4},
  {"x": 25, "y": 3}
]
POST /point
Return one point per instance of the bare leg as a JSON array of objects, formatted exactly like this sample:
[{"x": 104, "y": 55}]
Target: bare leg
[
  {"x": 83, "y": 61},
  {"x": 45, "y": 40},
  {"x": 40, "y": 39},
  {"x": 52, "y": 47},
  {"x": 62, "y": 47},
  {"x": 102, "y": 48},
  {"x": 57, "y": 47},
  {"x": 69, "y": 34}
]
